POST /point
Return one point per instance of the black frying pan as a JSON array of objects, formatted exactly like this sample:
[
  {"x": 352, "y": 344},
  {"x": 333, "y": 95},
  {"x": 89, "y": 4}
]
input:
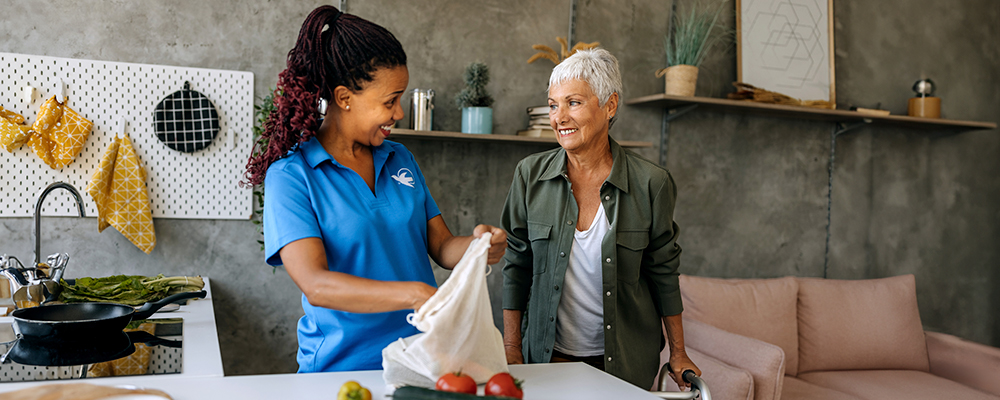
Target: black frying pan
[
  {"x": 43, "y": 353},
  {"x": 80, "y": 322}
]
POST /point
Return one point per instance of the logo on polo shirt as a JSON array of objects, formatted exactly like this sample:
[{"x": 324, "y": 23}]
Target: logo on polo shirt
[{"x": 404, "y": 177}]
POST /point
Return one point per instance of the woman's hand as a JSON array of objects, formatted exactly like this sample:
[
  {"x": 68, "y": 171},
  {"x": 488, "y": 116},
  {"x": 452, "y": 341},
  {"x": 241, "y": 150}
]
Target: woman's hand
[
  {"x": 679, "y": 362},
  {"x": 419, "y": 293},
  {"x": 514, "y": 354},
  {"x": 498, "y": 243},
  {"x": 447, "y": 250}
]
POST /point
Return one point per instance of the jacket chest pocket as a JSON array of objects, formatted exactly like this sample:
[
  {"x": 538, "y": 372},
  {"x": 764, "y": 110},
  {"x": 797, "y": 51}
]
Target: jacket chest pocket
[
  {"x": 631, "y": 245},
  {"x": 539, "y": 236}
]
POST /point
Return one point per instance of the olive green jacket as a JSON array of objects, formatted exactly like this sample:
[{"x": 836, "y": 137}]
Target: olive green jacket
[{"x": 640, "y": 256}]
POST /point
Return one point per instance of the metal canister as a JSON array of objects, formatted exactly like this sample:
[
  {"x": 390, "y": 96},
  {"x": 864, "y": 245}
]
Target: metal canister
[{"x": 421, "y": 109}]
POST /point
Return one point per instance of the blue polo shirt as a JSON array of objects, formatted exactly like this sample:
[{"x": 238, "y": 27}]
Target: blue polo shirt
[{"x": 381, "y": 236}]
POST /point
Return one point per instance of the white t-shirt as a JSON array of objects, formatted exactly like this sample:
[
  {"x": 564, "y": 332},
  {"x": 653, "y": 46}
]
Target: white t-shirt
[{"x": 580, "y": 317}]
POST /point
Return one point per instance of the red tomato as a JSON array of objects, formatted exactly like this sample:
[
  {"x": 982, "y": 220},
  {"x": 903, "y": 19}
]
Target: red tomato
[
  {"x": 503, "y": 384},
  {"x": 456, "y": 382}
]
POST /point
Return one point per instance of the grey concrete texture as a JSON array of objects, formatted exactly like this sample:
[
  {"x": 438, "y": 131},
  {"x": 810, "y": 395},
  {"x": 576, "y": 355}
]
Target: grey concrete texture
[
  {"x": 752, "y": 190},
  {"x": 916, "y": 202}
]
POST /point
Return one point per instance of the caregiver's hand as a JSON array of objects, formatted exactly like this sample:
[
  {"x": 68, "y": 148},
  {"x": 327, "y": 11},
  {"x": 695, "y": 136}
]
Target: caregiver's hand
[
  {"x": 498, "y": 243},
  {"x": 420, "y": 292}
]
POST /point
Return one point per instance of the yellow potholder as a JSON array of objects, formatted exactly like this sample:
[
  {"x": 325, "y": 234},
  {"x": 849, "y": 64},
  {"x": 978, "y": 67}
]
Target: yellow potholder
[
  {"x": 60, "y": 134},
  {"x": 119, "y": 189},
  {"x": 13, "y": 132},
  {"x": 134, "y": 364}
]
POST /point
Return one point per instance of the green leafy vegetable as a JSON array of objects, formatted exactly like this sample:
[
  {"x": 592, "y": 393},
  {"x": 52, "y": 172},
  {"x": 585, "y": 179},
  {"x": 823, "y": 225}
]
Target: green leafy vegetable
[{"x": 130, "y": 290}]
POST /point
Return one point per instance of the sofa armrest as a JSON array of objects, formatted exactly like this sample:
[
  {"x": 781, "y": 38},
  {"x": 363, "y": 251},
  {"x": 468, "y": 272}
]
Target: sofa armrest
[
  {"x": 764, "y": 361},
  {"x": 969, "y": 363}
]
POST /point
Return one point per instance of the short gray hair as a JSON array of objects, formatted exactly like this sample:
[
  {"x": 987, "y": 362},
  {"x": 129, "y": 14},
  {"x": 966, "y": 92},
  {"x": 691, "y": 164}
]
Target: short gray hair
[{"x": 597, "y": 67}]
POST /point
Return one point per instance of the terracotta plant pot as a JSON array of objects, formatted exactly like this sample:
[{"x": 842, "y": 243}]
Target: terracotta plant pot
[{"x": 681, "y": 80}]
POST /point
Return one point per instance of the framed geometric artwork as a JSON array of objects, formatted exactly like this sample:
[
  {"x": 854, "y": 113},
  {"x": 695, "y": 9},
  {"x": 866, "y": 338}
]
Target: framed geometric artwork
[{"x": 786, "y": 46}]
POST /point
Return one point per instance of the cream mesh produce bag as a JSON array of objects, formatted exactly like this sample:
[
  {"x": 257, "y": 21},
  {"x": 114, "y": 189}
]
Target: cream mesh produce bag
[{"x": 457, "y": 331}]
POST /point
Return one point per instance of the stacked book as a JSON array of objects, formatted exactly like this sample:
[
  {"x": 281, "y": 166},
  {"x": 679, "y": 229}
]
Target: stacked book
[{"x": 538, "y": 123}]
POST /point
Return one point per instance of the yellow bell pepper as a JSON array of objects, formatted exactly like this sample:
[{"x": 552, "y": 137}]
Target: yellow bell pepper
[{"x": 352, "y": 390}]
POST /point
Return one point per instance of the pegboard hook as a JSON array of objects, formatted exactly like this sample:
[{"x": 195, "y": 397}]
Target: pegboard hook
[
  {"x": 187, "y": 85},
  {"x": 122, "y": 123},
  {"x": 29, "y": 94},
  {"x": 60, "y": 90}
]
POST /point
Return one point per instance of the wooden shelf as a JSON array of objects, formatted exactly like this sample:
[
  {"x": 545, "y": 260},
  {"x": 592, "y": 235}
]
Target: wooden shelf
[
  {"x": 473, "y": 137},
  {"x": 709, "y": 103}
]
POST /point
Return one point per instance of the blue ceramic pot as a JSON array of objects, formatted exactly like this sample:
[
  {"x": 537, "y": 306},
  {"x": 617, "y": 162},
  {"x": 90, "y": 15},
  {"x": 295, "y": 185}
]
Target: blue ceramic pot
[{"x": 477, "y": 120}]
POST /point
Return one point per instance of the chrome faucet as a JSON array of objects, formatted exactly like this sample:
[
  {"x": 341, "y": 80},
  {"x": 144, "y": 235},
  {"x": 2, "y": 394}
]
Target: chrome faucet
[
  {"x": 34, "y": 285},
  {"x": 38, "y": 214}
]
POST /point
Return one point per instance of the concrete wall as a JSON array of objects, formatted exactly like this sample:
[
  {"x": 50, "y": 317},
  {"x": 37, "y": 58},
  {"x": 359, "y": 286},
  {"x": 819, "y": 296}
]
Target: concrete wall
[{"x": 753, "y": 190}]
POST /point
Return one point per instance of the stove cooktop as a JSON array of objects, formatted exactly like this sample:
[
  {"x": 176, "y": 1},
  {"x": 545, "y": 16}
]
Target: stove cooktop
[{"x": 155, "y": 349}]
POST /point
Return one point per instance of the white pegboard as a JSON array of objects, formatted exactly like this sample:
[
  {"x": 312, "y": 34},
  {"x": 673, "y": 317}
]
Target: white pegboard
[{"x": 200, "y": 185}]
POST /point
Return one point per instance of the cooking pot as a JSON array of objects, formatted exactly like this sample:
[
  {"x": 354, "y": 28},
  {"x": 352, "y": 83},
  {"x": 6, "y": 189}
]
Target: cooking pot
[{"x": 80, "y": 322}]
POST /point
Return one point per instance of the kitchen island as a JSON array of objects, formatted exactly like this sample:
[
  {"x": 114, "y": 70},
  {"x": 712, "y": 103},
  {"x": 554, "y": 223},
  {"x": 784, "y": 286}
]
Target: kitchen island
[{"x": 202, "y": 375}]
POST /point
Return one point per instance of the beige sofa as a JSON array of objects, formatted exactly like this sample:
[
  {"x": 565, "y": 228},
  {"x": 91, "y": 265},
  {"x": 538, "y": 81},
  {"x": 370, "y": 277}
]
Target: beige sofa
[{"x": 809, "y": 338}]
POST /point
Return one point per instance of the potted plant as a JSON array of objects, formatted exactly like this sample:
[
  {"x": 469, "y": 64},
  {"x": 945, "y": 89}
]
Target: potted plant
[
  {"x": 688, "y": 40},
  {"x": 475, "y": 101}
]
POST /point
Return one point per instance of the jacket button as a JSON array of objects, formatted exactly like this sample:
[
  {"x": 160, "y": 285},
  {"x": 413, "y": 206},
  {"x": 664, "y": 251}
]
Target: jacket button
[
  {"x": 547, "y": 350},
  {"x": 562, "y": 254},
  {"x": 552, "y": 319},
  {"x": 609, "y": 327},
  {"x": 609, "y": 294},
  {"x": 608, "y": 259},
  {"x": 609, "y": 358},
  {"x": 569, "y": 222},
  {"x": 607, "y": 197},
  {"x": 557, "y": 287}
]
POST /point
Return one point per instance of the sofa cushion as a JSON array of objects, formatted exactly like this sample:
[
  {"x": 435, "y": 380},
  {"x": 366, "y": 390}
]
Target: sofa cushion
[
  {"x": 797, "y": 389},
  {"x": 863, "y": 324},
  {"x": 763, "y": 309},
  {"x": 724, "y": 380},
  {"x": 893, "y": 384}
]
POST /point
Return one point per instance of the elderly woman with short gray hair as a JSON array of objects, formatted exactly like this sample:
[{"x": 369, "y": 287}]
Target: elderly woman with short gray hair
[{"x": 591, "y": 266}]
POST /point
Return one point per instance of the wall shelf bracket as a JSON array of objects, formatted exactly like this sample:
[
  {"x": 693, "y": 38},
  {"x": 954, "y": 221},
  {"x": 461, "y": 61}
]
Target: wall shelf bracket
[
  {"x": 670, "y": 114},
  {"x": 843, "y": 128}
]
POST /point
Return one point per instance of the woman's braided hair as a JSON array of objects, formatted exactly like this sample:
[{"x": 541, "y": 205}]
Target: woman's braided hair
[{"x": 333, "y": 49}]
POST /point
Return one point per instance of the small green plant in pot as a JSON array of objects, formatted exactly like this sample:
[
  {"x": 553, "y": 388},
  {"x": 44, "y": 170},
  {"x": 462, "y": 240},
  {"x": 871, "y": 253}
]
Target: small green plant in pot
[
  {"x": 690, "y": 37},
  {"x": 475, "y": 101}
]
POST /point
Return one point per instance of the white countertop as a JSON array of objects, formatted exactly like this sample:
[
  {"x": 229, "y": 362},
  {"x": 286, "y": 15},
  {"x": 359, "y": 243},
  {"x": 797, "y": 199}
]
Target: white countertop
[
  {"x": 576, "y": 381},
  {"x": 202, "y": 357},
  {"x": 202, "y": 376}
]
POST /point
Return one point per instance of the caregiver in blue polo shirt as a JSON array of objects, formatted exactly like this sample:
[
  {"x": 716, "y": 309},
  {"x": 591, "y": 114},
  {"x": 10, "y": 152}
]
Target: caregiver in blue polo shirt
[{"x": 346, "y": 211}]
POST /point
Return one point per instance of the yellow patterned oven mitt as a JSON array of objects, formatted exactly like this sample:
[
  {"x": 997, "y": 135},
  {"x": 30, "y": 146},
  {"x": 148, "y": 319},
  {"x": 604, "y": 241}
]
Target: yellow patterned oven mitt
[
  {"x": 119, "y": 189},
  {"x": 13, "y": 131},
  {"x": 60, "y": 134}
]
